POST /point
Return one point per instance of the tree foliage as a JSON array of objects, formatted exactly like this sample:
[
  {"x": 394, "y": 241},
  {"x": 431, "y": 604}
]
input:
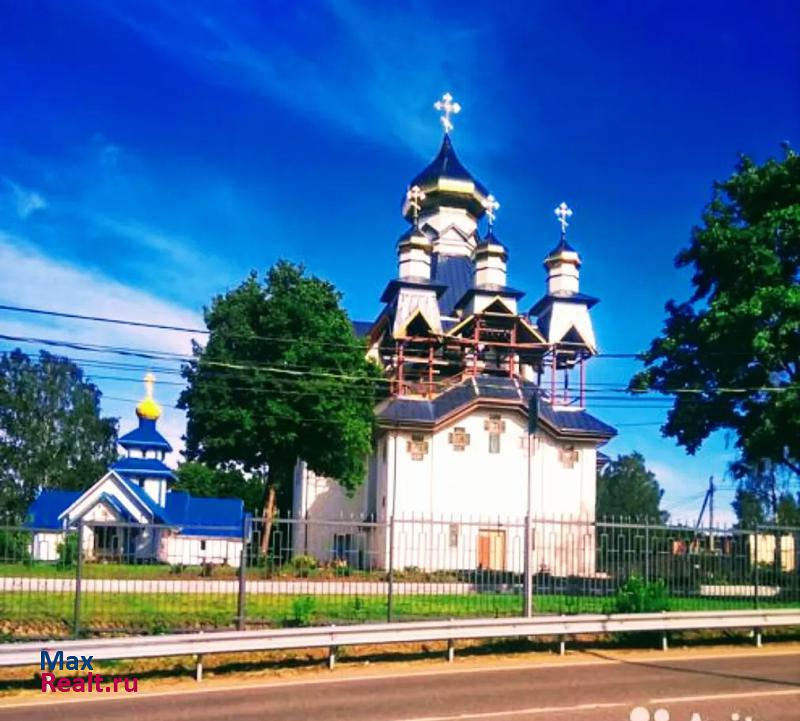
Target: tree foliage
[
  {"x": 729, "y": 354},
  {"x": 51, "y": 432},
  {"x": 200, "y": 480},
  {"x": 764, "y": 495},
  {"x": 626, "y": 489},
  {"x": 282, "y": 377}
]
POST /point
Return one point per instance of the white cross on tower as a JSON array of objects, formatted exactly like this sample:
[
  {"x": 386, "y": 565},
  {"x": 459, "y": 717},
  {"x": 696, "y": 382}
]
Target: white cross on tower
[
  {"x": 414, "y": 197},
  {"x": 490, "y": 205},
  {"x": 448, "y": 107},
  {"x": 563, "y": 212}
]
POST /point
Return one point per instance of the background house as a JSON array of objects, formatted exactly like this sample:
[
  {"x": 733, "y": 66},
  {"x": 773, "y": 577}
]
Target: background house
[{"x": 130, "y": 514}]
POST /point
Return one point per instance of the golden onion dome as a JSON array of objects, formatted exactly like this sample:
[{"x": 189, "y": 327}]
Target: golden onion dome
[{"x": 148, "y": 408}]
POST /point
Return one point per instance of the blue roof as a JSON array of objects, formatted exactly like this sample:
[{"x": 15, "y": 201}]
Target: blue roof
[
  {"x": 117, "y": 506},
  {"x": 145, "y": 436},
  {"x": 197, "y": 516},
  {"x": 489, "y": 290},
  {"x": 394, "y": 286},
  {"x": 547, "y": 301},
  {"x": 455, "y": 272},
  {"x": 499, "y": 388},
  {"x": 142, "y": 467},
  {"x": 216, "y": 517},
  {"x": 361, "y": 327},
  {"x": 159, "y": 515},
  {"x": 48, "y": 506}
]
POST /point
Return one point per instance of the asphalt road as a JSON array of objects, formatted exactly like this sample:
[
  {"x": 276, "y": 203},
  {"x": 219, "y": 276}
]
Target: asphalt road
[{"x": 763, "y": 687}]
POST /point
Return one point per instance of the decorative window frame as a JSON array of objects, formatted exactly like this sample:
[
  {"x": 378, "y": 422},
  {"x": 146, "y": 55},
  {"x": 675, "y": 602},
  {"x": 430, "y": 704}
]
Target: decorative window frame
[
  {"x": 496, "y": 426},
  {"x": 568, "y": 456},
  {"x": 417, "y": 446},
  {"x": 458, "y": 438}
]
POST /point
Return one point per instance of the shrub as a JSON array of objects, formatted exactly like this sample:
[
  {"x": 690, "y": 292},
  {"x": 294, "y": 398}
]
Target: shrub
[
  {"x": 68, "y": 550},
  {"x": 303, "y": 565},
  {"x": 638, "y": 596},
  {"x": 341, "y": 567},
  {"x": 303, "y": 611},
  {"x": 14, "y": 545}
]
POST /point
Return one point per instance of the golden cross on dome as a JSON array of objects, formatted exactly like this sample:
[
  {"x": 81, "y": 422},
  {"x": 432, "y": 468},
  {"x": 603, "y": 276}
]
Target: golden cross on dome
[
  {"x": 448, "y": 107},
  {"x": 414, "y": 197},
  {"x": 490, "y": 205},
  {"x": 148, "y": 408},
  {"x": 563, "y": 212}
]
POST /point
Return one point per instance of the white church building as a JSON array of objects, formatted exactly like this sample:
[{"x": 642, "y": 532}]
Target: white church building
[{"x": 463, "y": 356}]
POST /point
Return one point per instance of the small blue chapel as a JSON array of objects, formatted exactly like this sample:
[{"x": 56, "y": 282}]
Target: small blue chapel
[{"x": 131, "y": 513}]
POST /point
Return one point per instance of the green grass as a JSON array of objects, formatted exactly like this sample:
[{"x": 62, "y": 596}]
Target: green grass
[
  {"x": 125, "y": 571},
  {"x": 51, "y": 614}
]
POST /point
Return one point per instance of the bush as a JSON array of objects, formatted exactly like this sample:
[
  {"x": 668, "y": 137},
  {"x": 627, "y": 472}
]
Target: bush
[
  {"x": 14, "y": 546},
  {"x": 638, "y": 596},
  {"x": 68, "y": 550},
  {"x": 303, "y": 565},
  {"x": 303, "y": 611}
]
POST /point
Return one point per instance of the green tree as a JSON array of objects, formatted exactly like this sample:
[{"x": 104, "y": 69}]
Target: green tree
[
  {"x": 200, "y": 480},
  {"x": 730, "y": 354},
  {"x": 763, "y": 494},
  {"x": 51, "y": 432},
  {"x": 626, "y": 489},
  {"x": 282, "y": 377}
]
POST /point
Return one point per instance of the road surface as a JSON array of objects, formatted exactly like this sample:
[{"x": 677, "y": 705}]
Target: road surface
[{"x": 763, "y": 687}]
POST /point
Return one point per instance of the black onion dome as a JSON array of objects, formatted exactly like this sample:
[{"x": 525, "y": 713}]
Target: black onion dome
[
  {"x": 466, "y": 192},
  {"x": 562, "y": 247},
  {"x": 490, "y": 239},
  {"x": 446, "y": 165}
]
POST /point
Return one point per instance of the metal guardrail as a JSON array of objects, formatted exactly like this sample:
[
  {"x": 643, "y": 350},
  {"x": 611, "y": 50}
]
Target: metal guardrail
[{"x": 331, "y": 637}]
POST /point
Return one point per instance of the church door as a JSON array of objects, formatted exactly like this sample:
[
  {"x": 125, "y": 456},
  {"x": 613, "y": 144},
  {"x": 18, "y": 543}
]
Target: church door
[{"x": 492, "y": 550}]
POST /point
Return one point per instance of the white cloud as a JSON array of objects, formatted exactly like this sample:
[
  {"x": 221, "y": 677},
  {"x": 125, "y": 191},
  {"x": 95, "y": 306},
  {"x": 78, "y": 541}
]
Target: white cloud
[
  {"x": 25, "y": 201},
  {"x": 40, "y": 281},
  {"x": 376, "y": 73}
]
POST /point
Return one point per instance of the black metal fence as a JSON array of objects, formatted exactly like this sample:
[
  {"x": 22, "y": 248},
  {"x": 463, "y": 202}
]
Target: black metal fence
[{"x": 103, "y": 578}]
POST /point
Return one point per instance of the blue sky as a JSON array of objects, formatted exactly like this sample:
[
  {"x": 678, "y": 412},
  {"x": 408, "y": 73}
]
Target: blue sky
[{"x": 152, "y": 152}]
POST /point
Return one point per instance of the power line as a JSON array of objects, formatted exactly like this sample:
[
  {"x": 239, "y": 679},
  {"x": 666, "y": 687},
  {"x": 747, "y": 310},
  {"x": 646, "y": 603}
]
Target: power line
[
  {"x": 205, "y": 331},
  {"x": 298, "y": 371}
]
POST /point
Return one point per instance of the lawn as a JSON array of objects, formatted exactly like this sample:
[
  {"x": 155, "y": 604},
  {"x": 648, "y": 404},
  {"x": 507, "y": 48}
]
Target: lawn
[
  {"x": 51, "y": 614},
  {"x": 124, "y": 571}
]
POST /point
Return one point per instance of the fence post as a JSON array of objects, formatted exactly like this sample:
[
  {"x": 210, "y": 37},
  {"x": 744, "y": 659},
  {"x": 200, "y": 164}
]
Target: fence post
[
  {"x": 755, "y": 553},
  {"x": 527, "y": 584},
  {"x": 647, "y": 549},
  {"x": 240, "y": 608},
  {"x": 76, "y": 619},
  {"x": 390, "y": 590}
]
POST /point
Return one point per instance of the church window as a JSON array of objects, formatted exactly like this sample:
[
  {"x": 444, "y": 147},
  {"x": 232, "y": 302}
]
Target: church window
[
  {"x": 417, "y": 447},
  {"x": 345, "y": 549},
  {"x": 202, "y": 545},
  {"x": 458, "y": 438},
  {"x": 385, "y": 450},
  {"x": 496, "y": 426},
  {"x": 568, "y": 457}
]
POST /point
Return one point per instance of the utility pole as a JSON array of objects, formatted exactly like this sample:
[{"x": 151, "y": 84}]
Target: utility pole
[
  {"x": 533, "y": 422},
  {"x": 711, "y": 501}
]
